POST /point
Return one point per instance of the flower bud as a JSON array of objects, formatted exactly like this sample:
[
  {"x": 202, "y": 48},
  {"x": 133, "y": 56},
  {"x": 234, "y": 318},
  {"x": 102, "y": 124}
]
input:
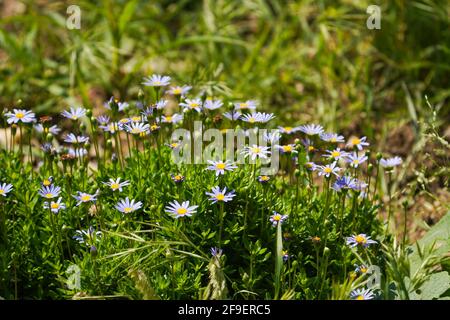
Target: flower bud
[{"x": 89, "y": 113}]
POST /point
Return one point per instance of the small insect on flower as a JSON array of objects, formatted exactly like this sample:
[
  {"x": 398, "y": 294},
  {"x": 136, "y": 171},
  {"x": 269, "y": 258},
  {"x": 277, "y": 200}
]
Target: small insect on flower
[
  {"x": 256, "y": 151},
  {"x": 20, "y": 115},
  {"x": 289, "y": 130},
  {"x": 220, "y": 195},
  {"x": 71, "y": 138},
  {"x": 286, "y": 149},
  {"x": 192, "y": 104},
  {"x": 355, "y": 160},
  {"x": 212, "y": 104},
  {"x": 178, "y": 210},
  {"x": 263, "y": 179},
  {"x": 127, "y": 206},
  {"x": 41, "y": 129},
  {"x": 179, "y": 91},
  {"x": 390, "y": 163},
  {"x": 138, "y": 128},
  {"x": 311, "y": 129},
  {"x": 277, "y": 218},
  {"x": 329, "y": 169},
  {"x": 49, "y": 192},
  {"x": 220, "y": 167},
  {"x": 83, "y": 197},
  {"x": 88, "y": 236},
  {"x": 5, "y": 189},
  {"x": 359, "y": 143},
  {"x": 360, "y": 240},
  {"x": 233, "y": 115},
  {"x": 156, "y": 80},
  {"x": 116, "y": 184},
  {"x": 177, "y": 178},
  {"x": 362, "y": 294},
  {"x": 175, "y": 118},
  {"x": 55, "y": 206},
  {"x": 331, "y": 137},
  {"x": 249, "y": 104},
  {"x": 74, "y": 113},
  {"x": 336, "y": 154}
]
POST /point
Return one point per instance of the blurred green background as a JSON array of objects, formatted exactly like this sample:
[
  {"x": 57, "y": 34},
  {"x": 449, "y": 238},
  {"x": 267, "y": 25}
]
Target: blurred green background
[{"x": 307, "y": 61}]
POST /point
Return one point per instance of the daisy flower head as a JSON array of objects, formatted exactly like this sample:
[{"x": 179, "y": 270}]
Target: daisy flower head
[
  {"x": 308, "y": 145},
  {"x": 156, "y": 80},
  {"x": 272, "y": 137},
  {"x": 103, "y": 120},
  {"x": 256, "y": 151},
  {"x": 213, "y": 104},
  {"x": 138, "y": 128},
  {"x": 49, "y": 192},
  {"x": 77, "y": 153},
  {"x": 55, "y": 206},
  {"x": 71, "y": 138},
  {"x": 288, "y": 130},
  {"x": 336, "y": 154},
  {"x": 329, "y": 169},
  {"x": 390, "y": 163},
  {"x": 232, "y": 115},
  {"x": 286, "y": 149},
  {"x": 358, "y": 143},
  {"x": 74, "y": 113},
  {"x": 154, "y": 127},
  {"x": 246, "y": 105},
  {"x": 331, "y": 137},
  {"x": 176, "y": 145},
  {"x": 87, "y": 236},
  {"x": 148, "y": 112},
  {"x": 20, "y": 115},
  {"x": 178, "y": 210},
  {"x": 116, "y": 184},
  {"x": 277, "y": 218},
  {"x": 53, "y": 129},
  {"x": 192, "y": 104},
  {"x": 362, "y": 294},
  {"x": 311, "y": 166},
  {"x": 355, "y": 160},
  {"x": 177, "y": 178},
  {"x": 161, "y": 104},
  {"x": 127, "y": 206},
  {"x": 361, "y": 269},
  {"x": 83, "y": 197},
  {"x": 175, "y": 118},
  {"x": 344, "y": 183},
  {"x": 220, "y": 166},
  {"x": 112, "y": 127},
  {"x": 139, "y": 118},
  {"x": 311, "y": 129},
  {"x": 179, "y": 91},
  {"x": 5, "y": 189},
  {"x": 218, "y": 195},
  {"x": 46, "y": 182},
  {"x": 359, "y": 240},
  {"x": 263, "y": 179}
]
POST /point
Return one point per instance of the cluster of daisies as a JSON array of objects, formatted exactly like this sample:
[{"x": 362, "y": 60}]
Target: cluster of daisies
[{"x": 330, "y": 155}]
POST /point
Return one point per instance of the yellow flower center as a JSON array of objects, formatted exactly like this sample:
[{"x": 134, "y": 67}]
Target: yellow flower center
[
  {"x": 54, "y": 205},
  {"x": 277, "y": 217},
  {"x": 243, "y": 105},
  {"x": 177, "y": 91},
  {"x": 327, "y": 170},
  {"x": 127, "y": 209},
  {"x": 114, "y": 186},
  {"x": 2, "y": 191},
  {"x": 310, "y": 148},
  {"x": 251, "y": 120},
  {"x": 154, "y": 127},
  {"x": 356, "y": 141},
  {"x": 74, "y": 118},
  {"x": 363, "y": 269},
  {"x": 287, "y": 148},
  {"x": 194, "y": 105},
  {"x": 316, "y": 239},
  {"x": 136, "y": 118},
  {"x": 220, "y": 166},
  {"x": 333, "y": 139},
  {"x": 264, "y": 178},
  {"x": 255, "y": 150},
  {"x": 360, "y": 297},
  {"x": 335, "y": 154},
  {"x": 220, "y": 196},
  {"x": 174, "y": 145},
  {"x": 86, "y": 197},
  {"x": 46, "y": 130},
  {"x": 46, "y": 182},
  {"x": 135, "y": 131},
  {"x": 181, "y": 211},
  {"x": 356, "y": 161},
  {"x": 178, "y": 177},
  {"x": 157, "y": 83},
  {"x": 20, "y": 115},
  {"x": 49, "y": 195},
  {"x": 169, "y": 119},
  {"x": 360, "y": 239},
  {"x": 288, "y": 129},
  {"x": 142, "y": 134}
]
